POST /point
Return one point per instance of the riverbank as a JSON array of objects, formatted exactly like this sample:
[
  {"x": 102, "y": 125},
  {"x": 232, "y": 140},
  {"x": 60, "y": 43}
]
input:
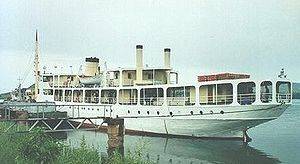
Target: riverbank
[{"x": 39, "y": 147}]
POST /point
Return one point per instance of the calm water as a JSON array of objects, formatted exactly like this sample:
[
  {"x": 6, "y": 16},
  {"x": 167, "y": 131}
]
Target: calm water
[{"x": 274, "y": 142}]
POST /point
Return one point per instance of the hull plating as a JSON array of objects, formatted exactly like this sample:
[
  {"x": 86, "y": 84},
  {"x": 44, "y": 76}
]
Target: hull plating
[{"x": 227, "y": 121}]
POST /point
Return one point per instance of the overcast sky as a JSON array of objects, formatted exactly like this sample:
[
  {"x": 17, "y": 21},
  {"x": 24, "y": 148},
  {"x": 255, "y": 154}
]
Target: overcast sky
[{"x": 255, "y": 37}]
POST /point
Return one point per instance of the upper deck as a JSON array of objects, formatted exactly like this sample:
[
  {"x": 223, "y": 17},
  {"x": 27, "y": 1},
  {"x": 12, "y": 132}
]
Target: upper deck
[{"x": 212, "y": 93}]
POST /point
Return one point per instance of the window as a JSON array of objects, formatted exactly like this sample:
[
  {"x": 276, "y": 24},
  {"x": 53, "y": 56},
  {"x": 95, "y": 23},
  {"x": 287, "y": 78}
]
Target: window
[
  {"x": 149, "y": 76},
  {"x": 152, "y": 96},
  {"x": 207, "y": 94},
  {"x": 108, "y": 96},
  {"x": 78, "y": 96},
  {"x": 68, "y": 95},
  {"x": 58, "y": 95},
  {"x": 128, "y": 96},
  {"x": 216, "y": 94},
  {"x": 246, "y": 93},
  {"x": 91, "y": 96},
  {"x": 48, "y": 92},
  {"x": 266, "y": 91},
  {"x": 283, "y": 92},
  {"x": 129, "y": 75},
  {"x": 47, "y": 78},
  {"x": 224, "y": 94},
  {"x": 181, "y": 96}
]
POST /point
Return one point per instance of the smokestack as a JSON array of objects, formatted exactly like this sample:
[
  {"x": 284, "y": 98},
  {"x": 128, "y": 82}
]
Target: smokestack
[
  {"x": 167, "y": 53},
  {"x": 139, "y": 63}
]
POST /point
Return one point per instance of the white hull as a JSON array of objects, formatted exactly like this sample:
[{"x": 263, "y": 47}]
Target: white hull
[{"x": 211, "y": 123}]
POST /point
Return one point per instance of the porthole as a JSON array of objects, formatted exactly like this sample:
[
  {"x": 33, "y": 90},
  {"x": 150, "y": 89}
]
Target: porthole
[
  {"x": 98, "y": 109},
  {"x": 222, "y": 112},
  {"x": 171, "y": 113},
  {"x": 148, "y": 112},
  {"x": 70, "y": 107},
  {"x": 192, "y": 112},
  {"x": 106, "y": 110},
  {"x": 128, "y": 111},
  {"x": 201, "y": 112},
  {"x": 139, "y": 112},
  {"x": 211, "y": 112},
  {"x": 157, "y": 112}
]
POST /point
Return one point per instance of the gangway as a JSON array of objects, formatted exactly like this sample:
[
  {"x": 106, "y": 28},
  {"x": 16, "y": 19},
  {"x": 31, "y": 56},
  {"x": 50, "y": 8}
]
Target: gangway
[{"x": 45, "y": 114}]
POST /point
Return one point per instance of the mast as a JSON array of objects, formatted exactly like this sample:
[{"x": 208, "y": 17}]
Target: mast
[
  {"x": 19, "y": 90},
  {"x": 36, "y": 65}
]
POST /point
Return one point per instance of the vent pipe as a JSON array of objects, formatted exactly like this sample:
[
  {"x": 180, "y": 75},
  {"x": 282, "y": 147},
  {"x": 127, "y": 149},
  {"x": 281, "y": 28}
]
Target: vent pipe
[
  {"x": 91, "y": 66},
  {"x": 167, "y": 53},
  {"x": 139, "y": 63}
]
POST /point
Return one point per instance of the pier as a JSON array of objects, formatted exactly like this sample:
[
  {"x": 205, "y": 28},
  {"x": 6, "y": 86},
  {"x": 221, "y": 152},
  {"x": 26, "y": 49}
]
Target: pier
[{"x": 33, "y": 115}]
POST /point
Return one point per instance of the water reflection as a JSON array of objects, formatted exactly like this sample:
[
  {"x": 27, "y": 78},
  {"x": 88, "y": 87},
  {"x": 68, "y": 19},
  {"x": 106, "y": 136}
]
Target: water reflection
[{"x": 174, "y": 150}]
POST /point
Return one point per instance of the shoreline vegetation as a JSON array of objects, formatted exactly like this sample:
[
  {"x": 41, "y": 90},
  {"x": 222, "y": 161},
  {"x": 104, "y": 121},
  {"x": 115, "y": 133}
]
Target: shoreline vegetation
[{"x": 40, "y": 148}]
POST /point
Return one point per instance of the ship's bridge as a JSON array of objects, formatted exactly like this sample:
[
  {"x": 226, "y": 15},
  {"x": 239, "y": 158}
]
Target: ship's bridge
[{"x": 150, "y": 76}]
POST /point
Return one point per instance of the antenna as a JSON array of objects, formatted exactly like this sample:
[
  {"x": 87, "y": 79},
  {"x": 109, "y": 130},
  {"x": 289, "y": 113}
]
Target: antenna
[
  {"x": 19, "y": 89},
  {"x": 36, "y": 65},
  {"x": 282, "y": 74}
]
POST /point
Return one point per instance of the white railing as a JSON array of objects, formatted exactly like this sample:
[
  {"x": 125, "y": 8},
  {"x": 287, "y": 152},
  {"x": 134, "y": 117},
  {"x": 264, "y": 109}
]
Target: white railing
[
  {"x": 68, "y": 98},
  {"x": 283, "y": 97},
  {"x": 108, "y": 100},
  {"x": 152, "y": 101},
  {"x": 216, "y": 100},
  {"x": 180, "y": 101},
  {"x": 78, "y": 99},
  {"x": 128, "y": 101},
  {"x": 91, "y": 99},
  {"x": 128, "y": 82},
  {"x": 246, "y": 99},
  {"x": 266, "y": 97},
  {"x": 58, "y": 98}
]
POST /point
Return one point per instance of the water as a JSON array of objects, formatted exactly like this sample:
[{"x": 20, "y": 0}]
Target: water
[{"x": 274, "y": 142}]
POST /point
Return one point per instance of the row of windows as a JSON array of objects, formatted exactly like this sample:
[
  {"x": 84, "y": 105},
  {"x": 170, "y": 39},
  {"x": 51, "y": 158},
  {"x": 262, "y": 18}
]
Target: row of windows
[{"x": 214, "y": 94}]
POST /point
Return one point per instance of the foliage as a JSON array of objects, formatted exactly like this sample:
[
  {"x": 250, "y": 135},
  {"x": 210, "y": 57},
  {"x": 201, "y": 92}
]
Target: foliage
[
  {"x": 132, "y": 157},
  {"x": 39, "y": 147},
  {"x": 81, "y": 155}
]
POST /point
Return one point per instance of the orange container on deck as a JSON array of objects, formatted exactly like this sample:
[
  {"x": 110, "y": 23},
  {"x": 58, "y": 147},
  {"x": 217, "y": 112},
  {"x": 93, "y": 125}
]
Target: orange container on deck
[{"x": 222, "y": 76}]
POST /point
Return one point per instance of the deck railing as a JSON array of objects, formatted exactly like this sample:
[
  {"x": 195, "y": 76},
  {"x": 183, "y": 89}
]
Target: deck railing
[
  {"x": 246, "y": 99},
  {"x": 78, "y": 99},
  {"x": 216, "y": 100},
  {"x": 180, "y": 101},
  {"x": 152, "y": 101},
  {"x": 266, "y": 97},
  {"x": 68, "y": 98},
  {"x": 283, "y": 97},
  {"x": 128, "y": 101},
  {"x": 108, "y": 100},
  {"x": 91, "y": 100}
]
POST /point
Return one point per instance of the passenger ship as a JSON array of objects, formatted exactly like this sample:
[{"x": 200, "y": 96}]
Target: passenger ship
[{"x": 153, "y": 101}]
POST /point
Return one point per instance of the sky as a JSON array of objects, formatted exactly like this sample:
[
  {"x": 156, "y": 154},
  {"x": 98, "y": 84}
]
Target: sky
[{"x": 205, "y": 36}]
